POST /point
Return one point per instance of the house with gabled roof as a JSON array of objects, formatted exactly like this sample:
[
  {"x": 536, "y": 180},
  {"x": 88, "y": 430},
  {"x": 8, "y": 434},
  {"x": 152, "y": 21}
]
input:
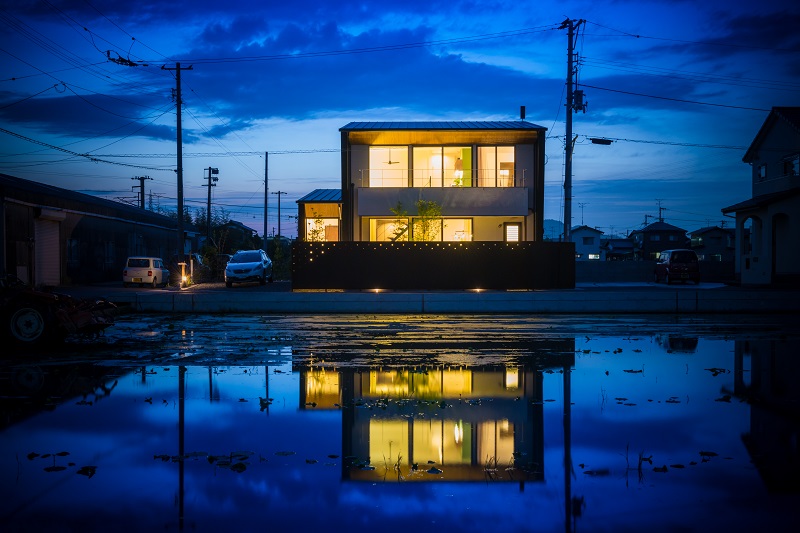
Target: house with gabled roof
[
  {"x": 654, "y": 238},
  {"x": 587, "y": 243},
  {"x": 714, "y": 243},
  {"x": 768, "y": 224}
]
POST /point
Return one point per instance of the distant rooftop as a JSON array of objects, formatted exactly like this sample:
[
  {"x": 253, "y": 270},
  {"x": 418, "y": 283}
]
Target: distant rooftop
[{"x": 447, "y": 125}]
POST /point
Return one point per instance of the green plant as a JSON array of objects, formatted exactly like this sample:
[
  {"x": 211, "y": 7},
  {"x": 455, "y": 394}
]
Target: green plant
[
  {"x": 427, "y": 223},
  {"x": 317, "y": 231}
]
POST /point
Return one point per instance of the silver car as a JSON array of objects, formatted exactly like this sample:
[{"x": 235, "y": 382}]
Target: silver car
[
  {"x": 145, "y": 271},
  {"x": 248, "y": 265}
]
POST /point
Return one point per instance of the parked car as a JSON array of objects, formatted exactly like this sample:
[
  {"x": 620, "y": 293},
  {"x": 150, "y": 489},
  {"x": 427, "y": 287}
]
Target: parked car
[
  {"x": 145, "y": 271},
  {"x": 195, "y": 267},
  {"x": 248, "y": 265},
  {"x": 677, "y": 265}
]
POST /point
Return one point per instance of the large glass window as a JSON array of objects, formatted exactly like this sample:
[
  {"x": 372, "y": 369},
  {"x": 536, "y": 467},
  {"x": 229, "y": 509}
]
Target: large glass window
[
  {"x": 438, "y": 166},
  {"x": 388, "y": 166},
  {"x": 447, "y": 229},
  {"x": 457, "y": 229},
  {"x": 322, "y": 229},
  {"x": 495, "y": 166},
  {"x": 388, "y": 229}
]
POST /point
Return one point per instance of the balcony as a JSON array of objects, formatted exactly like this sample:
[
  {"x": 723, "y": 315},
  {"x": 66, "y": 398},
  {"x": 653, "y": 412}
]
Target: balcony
[
  {"x": 436, "y": 178},
  {"x": 455, "y": 201}
]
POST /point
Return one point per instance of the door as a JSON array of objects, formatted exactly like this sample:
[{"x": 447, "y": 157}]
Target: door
[{"x": 47, "y": 253}]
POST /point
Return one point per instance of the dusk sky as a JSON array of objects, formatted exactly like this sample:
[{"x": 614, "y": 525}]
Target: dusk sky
[{"x": 682, "y": 88}]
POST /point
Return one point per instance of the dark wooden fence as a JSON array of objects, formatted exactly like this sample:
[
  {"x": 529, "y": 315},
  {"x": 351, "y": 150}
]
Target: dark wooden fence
[{"x": 433, "y": 265}]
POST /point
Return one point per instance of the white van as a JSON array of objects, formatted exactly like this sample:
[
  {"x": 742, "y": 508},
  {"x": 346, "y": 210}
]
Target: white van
[{"x": 145, "y": 271}]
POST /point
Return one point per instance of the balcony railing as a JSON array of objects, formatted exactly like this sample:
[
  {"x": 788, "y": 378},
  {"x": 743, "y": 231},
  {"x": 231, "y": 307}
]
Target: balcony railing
[{"x": 435, "y": 178}]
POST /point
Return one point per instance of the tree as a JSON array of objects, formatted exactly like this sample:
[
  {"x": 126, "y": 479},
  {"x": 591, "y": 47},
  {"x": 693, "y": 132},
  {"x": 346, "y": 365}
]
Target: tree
[
  {"x": 317, "y": 231},
  {"x": 427, "y": 223}
]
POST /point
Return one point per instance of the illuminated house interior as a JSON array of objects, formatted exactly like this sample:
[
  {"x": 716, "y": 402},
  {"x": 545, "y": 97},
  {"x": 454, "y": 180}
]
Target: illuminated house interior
[{"x": 487, "y": 177}]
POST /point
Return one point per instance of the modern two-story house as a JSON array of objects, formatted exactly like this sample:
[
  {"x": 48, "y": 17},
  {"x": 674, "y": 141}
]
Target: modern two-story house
[
  {"x": 768, "y": 224},
  {"x": 433, "y": 205},
  {"x": 487, "y": 178}
]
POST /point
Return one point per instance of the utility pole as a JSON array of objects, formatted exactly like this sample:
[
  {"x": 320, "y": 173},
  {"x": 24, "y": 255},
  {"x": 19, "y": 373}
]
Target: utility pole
[
  {"x": 266, "y": 195},
  {"x": 582, "y": 205},
  {"x": 212, "y": 182},
  {"x": 574, "y": 104},
  {"x": 660, "y": 210},
  {"x": 141, "y": 188},
  {"x": 179, "y": 103},
  {"x": 279, "y": 193}
]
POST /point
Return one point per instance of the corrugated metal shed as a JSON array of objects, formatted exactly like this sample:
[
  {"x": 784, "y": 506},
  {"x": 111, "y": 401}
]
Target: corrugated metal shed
[
  {"x": 430, "y": 125},
  {"x": 322, "y": 195}
]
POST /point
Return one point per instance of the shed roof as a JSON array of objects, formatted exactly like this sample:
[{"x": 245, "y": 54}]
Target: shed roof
[
  {"x": 445, "y": 125},
  {"x": 322, "y": 195}
]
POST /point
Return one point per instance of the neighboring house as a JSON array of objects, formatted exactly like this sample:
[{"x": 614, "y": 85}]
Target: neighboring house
[
  {"x": 770, "y": 253},
  {"x": 237, "y": 236},
  {"x": 587, "y": 243},
  {"x": 651, "y": 240},
  {"x": 319, "y": 215},
  {"x": 714, "y": 243},
  {"x": 53, "y": 236},
  {"x": 616, "y": 249},
  {"x": 487, "y": 177}
]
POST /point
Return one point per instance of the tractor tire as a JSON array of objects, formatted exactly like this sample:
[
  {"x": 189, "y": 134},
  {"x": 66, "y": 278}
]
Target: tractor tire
[{"x": 30, "y": 324}]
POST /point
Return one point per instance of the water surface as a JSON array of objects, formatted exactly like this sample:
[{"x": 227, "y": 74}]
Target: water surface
[{"x": 406, "y": 423}]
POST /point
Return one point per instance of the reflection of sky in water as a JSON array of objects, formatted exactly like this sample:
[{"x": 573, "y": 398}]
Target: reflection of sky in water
[{"x": 121, "y": 434}]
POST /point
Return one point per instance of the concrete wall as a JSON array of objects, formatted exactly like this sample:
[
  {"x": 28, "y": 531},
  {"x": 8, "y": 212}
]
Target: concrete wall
[{"x": 642, "y": 271}]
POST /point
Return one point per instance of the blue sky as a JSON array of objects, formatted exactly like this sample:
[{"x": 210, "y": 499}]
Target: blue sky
[{"x": 681, "y": 86}]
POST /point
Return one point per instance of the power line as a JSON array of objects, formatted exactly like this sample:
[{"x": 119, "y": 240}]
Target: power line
[
  {"x": 226, "y": 154},
  {"x": 76, "y": 154},
  {"x": 704, "y": 43},
  {"x": 674, "y": 99}
]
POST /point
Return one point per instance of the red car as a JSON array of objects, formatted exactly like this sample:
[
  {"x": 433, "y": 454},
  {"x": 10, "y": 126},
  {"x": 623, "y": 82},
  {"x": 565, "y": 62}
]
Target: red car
[{"x": 677, "y": 265}]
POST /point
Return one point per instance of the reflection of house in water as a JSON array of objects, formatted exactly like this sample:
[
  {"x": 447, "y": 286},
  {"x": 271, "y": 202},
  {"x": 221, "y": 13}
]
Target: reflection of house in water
[
  {"x": 774, "y": 438},
  {"x": 460, "y": 420}
]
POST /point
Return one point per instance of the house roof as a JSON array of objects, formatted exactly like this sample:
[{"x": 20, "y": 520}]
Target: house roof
[
  {"x": 431, "y": 125},
  {"x": 762, "y": 200},
  {"x": 237, "y": 224},
  {"x": 659, "y": 226},
  {"x": 55, "y": 197},
  {"x": 322, "y": 195},
  {"x": 708, "y": 229},
  {"x": 586, "y": 228},
  {"x": 789, "y": 114},
  {"x": 617, "y": 244}
]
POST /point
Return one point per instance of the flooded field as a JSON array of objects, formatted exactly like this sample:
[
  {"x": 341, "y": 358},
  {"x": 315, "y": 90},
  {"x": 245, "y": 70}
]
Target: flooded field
[{"x": 407, "y": 423}]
